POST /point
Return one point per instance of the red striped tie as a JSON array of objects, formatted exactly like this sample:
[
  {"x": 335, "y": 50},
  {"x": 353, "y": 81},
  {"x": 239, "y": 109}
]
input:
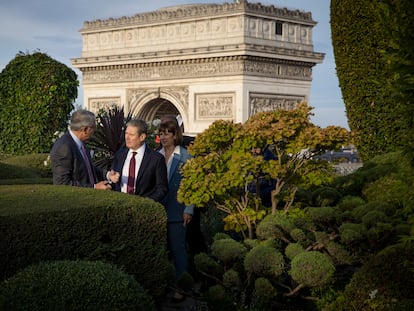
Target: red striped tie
[{"x": 131, "y": 176}]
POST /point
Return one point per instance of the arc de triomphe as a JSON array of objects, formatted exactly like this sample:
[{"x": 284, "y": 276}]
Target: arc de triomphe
[{"x": 202, "y": 61}]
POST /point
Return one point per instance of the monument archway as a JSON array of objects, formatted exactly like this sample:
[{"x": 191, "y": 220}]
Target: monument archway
[
  {"x": 156, "y": 109},
  {"x": 205, "y": 62}
]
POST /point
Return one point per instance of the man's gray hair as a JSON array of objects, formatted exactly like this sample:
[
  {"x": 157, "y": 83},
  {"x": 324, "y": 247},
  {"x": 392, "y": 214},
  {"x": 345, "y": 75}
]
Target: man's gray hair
[
  {"x": 141, "y": 125},
  {"x": 82, "y": 118}
]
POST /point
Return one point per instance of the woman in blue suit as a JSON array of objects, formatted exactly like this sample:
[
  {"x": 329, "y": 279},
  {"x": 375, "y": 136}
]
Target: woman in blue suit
[{"x": 178, "y": 215}]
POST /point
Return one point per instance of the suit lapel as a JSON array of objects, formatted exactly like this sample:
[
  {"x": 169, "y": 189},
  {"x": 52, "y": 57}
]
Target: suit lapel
[
  {"x": 175, "y": 162},
  {"x": 144, "y": 163}
]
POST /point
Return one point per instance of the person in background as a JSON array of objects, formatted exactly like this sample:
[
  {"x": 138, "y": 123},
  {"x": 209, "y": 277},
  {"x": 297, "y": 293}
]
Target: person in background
[
  {"x": 137, "y": 169},
  {"x": 195, "y": 239},
  {"x": 71, "y": 159},
  {"x": 178, "y": 215}
]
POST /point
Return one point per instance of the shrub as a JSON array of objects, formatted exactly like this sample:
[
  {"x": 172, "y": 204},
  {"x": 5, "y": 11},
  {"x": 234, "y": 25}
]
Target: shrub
[
  {"x": 228, "y": 250},
  {"x": 293, "y": 249},
  {"x": 275, "y": 226},
  {"x": 47, "y": 222},
  {"x": 312, "y": 269},
  {"x": 26, "y": 166},
  {"x": 326, "y": 196},
  {"x": 264, "y": 261},
  {"x": 231, "y": 279},
  {"x": 384, "y": 282},
  {"x": 208, "y": 265},
  {"x": 73, "y": 285},
  {"x": 264, "y": 293}
]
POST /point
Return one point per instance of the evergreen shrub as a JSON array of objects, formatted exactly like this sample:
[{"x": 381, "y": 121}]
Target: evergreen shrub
[
  {"x": 73, "y": 285},
  {"x": 48, "y": 222}
]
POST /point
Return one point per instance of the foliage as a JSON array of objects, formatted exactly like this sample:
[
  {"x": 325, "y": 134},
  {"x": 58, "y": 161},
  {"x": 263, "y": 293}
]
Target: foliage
[
  {"x": 224, "y": 169},
  {"x": 109, "y": 135},
  {"x": 373, "y": 53},
  {"x": 128, "y": 231},
  {"x": 26, "y": 166},
  {"x": 228, "y": 250},
  {"x": 312, "y": 269},
  {"x": 73, "y": 285},
  {"x": 264, "y": 261},
  {"x": 36, "y": 97},
  {"x": 316, "y": 249},
  {"x": 399, "y": 57},
  {"x": 384, "y": 282}
]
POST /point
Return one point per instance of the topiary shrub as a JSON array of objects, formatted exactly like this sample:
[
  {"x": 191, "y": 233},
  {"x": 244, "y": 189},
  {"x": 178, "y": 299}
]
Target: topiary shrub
[
  {"x": 326, "y": 196},
  {"x": 264, "y": 293},
  {"x": 312, "y": 269},
  {"x": 73, "y": 285},
  {"x": 48, "y": 222},
  {"x": 324, "y": 215},
  {"x": 231, "y": 279},
  {"x": 207, "y": 265},
  {"x": 385, "y": 282},
  {"x": 264, "y": 261},
  {"x": 228, "y": 250},
  {"x": 293, "y": 249},
  {"x": 275, "y": 226},
  {"x": 352, "y": 233},
  {"x": 218, "y": 299}
]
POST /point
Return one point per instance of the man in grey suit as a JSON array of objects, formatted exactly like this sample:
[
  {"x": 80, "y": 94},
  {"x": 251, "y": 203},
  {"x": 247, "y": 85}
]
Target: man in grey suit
[
  {"x": 71, "y": 159},
  {"x": 137, "y": 169}
]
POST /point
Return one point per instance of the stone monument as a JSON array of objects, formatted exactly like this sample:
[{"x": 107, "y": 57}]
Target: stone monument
[{"x": 202, "y": 61}]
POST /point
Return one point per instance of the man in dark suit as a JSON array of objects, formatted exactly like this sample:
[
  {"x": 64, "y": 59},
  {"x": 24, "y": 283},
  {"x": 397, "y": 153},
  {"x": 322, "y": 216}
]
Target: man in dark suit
[
  {"x": 137, "y": 169},
  {"x": 71, "y": 159}
]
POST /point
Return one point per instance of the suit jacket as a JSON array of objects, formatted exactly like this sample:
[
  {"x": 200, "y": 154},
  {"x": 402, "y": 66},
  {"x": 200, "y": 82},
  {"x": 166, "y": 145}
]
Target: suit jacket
[
  {"x": 151, "y": 180},
  {"x": 68, "y": 165},
  {"x": 175, "y": 209}
]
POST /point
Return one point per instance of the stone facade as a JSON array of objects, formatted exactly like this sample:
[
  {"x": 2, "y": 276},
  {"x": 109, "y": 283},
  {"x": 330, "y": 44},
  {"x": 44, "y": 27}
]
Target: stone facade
[{"x": 202, "y": 61}]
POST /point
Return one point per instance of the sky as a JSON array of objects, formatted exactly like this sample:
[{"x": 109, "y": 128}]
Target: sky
[{"x": 52, "y": 27}]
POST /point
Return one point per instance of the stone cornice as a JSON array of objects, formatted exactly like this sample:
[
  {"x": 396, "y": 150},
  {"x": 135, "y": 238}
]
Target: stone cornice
[
  {"x": 312, "y": 57},
  {"x": 183, "y": 12},
  {"x": 197, "y": 68}
]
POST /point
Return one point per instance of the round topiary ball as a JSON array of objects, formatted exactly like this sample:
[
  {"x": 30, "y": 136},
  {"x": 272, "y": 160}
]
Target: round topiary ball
[
  {"x": 73, "y": 285},
  {"x": 312, "y": 269},
  {"x": 264, "y": 261},
  {"x": 228, "y": 250}
]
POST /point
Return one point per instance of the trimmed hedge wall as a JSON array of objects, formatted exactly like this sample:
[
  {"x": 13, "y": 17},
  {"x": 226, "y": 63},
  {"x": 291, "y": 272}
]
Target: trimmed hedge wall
[
  {"x": 73, "y": 285},
  {"x": 46, "y": 222}
]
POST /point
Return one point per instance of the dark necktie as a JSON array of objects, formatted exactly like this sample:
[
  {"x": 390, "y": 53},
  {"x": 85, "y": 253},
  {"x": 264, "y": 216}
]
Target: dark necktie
[
  {"x": 88, "y": 165},
  {"x": 131, "y": 176}
]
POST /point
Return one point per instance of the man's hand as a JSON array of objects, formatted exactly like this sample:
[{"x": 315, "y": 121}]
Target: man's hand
[
  {"x": 113, "y": 176},
  {"x": 103, "y": 185},
  {"x": 187, "y": 218}
]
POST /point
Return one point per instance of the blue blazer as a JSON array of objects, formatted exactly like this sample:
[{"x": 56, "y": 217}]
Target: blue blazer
[
  {"x": 151, "y": 180},
  {"x": 175, "y": 209}
]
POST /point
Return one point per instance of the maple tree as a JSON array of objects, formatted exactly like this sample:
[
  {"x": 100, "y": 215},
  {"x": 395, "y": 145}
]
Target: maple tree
[{"x": 224, "y": 166}]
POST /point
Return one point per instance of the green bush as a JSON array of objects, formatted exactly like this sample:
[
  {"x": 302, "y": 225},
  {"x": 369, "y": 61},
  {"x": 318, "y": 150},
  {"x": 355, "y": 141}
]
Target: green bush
[
  {"x": 264, "y": 293},
  {"x": 47, "y": 222},
  {"x": 293, "y": 249},
  {"x": 73, "y": 285},
  {"x": 385, "y": 282},
  {"x": 208, "y": 265},
  {"x": 326, "y": 196},
  {"x": 275, "y": 226},
  {"x": 312, "y": 269},
  {"x": 25, "y": 167},
  {"x": 264, "y": 261},
  {"x": 36, "y": 95},
  {"x": 228, "y": 250}
]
